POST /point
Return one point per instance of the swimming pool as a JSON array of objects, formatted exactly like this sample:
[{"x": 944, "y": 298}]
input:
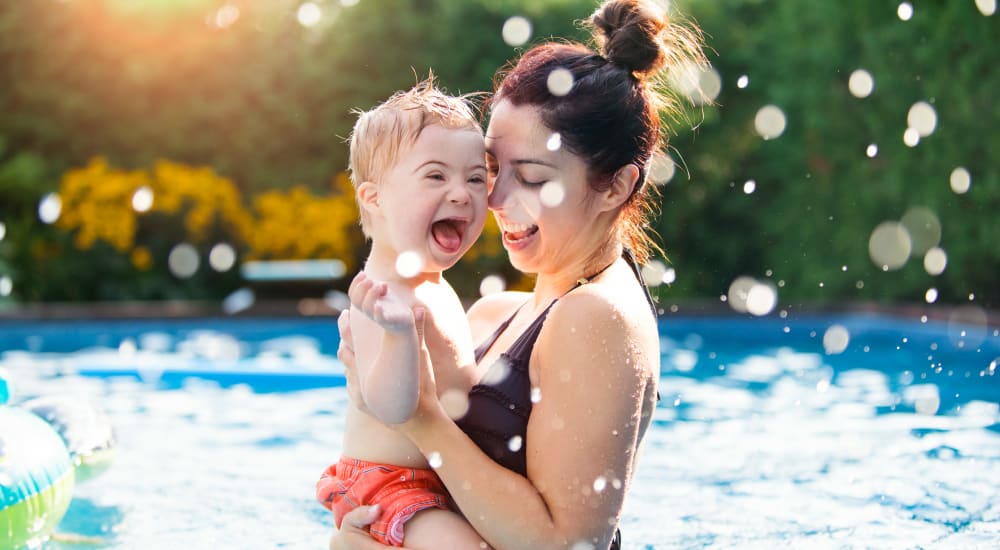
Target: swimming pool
[{"x": 812, "y": 431}]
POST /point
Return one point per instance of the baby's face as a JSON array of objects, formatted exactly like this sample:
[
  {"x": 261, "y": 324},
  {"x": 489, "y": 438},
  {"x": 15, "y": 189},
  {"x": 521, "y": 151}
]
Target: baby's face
[{"x": 433, "y": 201}]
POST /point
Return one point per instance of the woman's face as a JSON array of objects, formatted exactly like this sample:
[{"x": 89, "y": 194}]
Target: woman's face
[{"x": 539, "y": 192}]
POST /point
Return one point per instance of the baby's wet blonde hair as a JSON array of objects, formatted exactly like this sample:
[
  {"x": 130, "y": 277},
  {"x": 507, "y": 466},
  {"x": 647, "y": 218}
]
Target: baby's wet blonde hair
[{"x": 384, "y": 133}]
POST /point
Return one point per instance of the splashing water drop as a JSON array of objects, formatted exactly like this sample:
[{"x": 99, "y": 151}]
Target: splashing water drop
[
  {"x": 761, "y": 299},
  {"x": 516, "y": 31},
  {"x": 669, "y": 276},
  {"x": 911, "y": 137},
  {"x": 3, "y": 230},
  {"x": 552, "y": 194},
  {"x": 960, "y": 180},
  {"x": 222, "y": 257},
  {"x": 835, "y": 339},
  {"x": 560, "y": 82},
  {"x": 924, "y": 229},
  {"x": 514, "y": 443},
  {"x": 492, "y": 284},
  {"x": 455, "y": 403},
  {"x": 142, "y": 199},
  {"x": 242, "y": 299},
  {"x": 662, "y": 169},
  {"x": 861, "y": 83},
  {"x": 749, "y": 187},
  {"x": 309, "y": 14},
  {"x": 743, "y": 81},
  {"x": 409, "y": 264},
  {"x": 987, "y": 7},
  {"x": 183, "y": 260},
  {"x": 536, "y": 394},
  {"x": 434, "y": 460},
  {"x": 935, "y": 261},
  {"x": 905, "y": 11},
  {"x": 653, "y": 272},
  {"x": 49, "y": 208},
  {"x": 872, "y": 151},
  {"x": 600, "y": 484},
  {"x": 993, "y": 366},
  {"x": 770, "y": 122},
  {"x": 497, "y": 373},
  {"x": 889, "y": 245},
  {"x": 922, "y": 117},
  {"x": 6, "y": 286},
  {"x": 554, "y": 142},
  {"x": 931, "y": 295}
]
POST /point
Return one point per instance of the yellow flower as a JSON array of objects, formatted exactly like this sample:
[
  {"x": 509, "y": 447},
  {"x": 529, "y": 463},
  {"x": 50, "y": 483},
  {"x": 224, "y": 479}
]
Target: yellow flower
[{"x": 141, "y": 258}]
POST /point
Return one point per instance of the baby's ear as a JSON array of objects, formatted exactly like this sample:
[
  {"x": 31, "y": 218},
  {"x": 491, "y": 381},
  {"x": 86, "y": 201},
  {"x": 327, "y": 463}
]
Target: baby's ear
[{"x": 368, "y": 196}]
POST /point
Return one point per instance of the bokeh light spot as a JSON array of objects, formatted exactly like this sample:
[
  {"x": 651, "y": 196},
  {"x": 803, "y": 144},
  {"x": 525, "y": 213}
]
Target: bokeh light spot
[
  {"x": 226, "y": 16},
  {"x": 50, "y": 208},
  {"x": 434, "y": 460},
  {"x": 935, "y": 261},
  {"x": 552, "y": 194},
  {"x": 455, "y": 403},
  {"x": 924, "y": 228},
  {"x": 559, "y": 82},
  {"x": 987, "y": 7},
  {"x": 911, "y": 137},
  {"x": 861, "y": 83},
  {"x": 491, "y": 284},
  {"x": 931, "y": 295},
  {"x": 669, "y": 276},
  {"x": 761, "y": 298},
  {"x": 889, "y": 245},
  {"x": 835, "y": 339},
  {"x": 743, "y": 81},
  {"x": 770, "y": 122},
  {"x": 653, "y": 272},
  {"x": 309, "y": 14},
  {"x": 905, "y": 11},
  {"x": 872, "y": 151},
  {"x": 516, "y": 31},
  {"x": 662, "y": 169},
  {"x": 409, "y": 264},
  {"x": 6, "y": 286},
  {"x": 749, "y": 187},
  {"x": 514, "y": 443},
  {"x": 183, "y": 260},
  {"x": 554, "y": 142},
  {"x": 142, "y": 199},
  {"x": 240, "y": 300},
  {"x": 922, "y": 117},
  {"x": 3, "y": 230},
  {"x": 222, "y": 257},
  {"x": 960, "y": 180}
]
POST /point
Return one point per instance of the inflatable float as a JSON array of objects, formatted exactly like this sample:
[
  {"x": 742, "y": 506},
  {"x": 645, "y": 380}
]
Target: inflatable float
[{"x": 47, "y": 444}]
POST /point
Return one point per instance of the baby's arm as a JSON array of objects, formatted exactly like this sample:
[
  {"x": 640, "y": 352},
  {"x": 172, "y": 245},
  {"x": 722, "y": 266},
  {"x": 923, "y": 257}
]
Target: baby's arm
[{"x": 387, "y": 350}]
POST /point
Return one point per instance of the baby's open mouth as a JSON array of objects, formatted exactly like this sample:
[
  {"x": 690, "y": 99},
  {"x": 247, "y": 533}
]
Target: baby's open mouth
[{"x": 448, "y": 233}]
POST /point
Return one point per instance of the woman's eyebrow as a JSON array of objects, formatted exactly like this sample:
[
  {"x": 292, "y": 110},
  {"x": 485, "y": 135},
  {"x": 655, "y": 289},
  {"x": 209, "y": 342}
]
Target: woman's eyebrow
[{"x": 534, "y": 161}]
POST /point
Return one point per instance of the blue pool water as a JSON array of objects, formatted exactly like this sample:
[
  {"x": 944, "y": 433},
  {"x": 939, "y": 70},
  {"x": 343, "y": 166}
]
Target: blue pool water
[{"x": 852, "y": 431}]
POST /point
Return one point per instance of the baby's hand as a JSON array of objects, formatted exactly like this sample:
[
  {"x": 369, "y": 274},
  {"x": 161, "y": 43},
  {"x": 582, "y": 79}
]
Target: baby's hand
[{"x": 375, "y": 300}]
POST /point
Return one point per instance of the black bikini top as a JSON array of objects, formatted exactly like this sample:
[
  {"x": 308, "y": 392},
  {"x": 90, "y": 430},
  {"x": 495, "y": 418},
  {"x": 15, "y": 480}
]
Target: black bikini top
[{"x": 499, "y": 406}]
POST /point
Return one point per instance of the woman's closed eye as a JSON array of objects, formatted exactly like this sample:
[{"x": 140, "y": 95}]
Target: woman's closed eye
[{"x": 531, "y": 183}]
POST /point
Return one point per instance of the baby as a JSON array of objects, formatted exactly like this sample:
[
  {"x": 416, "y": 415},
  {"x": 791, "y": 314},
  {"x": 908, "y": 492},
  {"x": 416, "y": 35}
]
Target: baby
[{"x": 418, "y": 166}]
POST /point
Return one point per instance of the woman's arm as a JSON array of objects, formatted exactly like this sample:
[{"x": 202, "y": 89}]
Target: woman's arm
[{"x": 582, "y": 436}]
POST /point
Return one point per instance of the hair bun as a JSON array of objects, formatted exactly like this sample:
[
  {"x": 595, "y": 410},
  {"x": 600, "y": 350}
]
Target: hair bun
[{"x": 629, "y": 33}]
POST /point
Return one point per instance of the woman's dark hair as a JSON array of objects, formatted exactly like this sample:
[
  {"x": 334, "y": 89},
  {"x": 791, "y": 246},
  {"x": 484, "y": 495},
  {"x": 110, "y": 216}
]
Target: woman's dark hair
[{"x": 611, "y": 115}]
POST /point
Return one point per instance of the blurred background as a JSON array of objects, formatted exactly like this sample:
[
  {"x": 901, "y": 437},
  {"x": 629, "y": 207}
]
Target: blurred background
[{"x": 161, "y": 150}]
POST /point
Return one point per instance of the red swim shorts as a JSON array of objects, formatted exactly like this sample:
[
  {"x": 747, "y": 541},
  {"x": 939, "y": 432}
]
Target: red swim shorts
[{"x": 402, "y": 492}]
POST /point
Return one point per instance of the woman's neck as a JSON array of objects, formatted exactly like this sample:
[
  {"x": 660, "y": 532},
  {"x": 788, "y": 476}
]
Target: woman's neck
[{"x": 552, "y": 285}]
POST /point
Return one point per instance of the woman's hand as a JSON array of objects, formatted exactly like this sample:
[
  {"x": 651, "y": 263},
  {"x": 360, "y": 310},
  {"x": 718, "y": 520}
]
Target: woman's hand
[{"x": 353, "y": 532}]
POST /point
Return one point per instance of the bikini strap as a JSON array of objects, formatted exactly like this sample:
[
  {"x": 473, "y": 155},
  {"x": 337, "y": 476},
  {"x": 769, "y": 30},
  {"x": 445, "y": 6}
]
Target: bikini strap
[{"x": 631, "y": 261}]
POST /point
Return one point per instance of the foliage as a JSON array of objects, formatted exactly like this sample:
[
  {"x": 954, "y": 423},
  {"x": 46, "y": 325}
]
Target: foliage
[{"x": 252, "y": 108}]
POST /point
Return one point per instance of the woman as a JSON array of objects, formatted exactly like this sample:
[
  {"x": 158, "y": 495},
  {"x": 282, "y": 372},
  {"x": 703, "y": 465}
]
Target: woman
[{"x": 547, "y": 450}]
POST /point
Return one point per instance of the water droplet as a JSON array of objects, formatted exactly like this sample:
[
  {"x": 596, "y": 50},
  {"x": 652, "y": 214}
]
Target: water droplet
[
  {"x": 554, "y": 142},
  {"x": 516, "y": 31},
  {"x": 761, "y": 299},
  {"x": 3, "y": 230},
  {"x": 987, "y": 7},
  {"x": 749, "y": 187},
  {"x": 835, "y": 339},
  {"x": 770, "y": 122},
  {"x": 183, "y": 260},
  {"x": 242, "y": 299},
  {"x": 309, "y": 14},
  {"x": 669, "y": 276},
  {"x": 889, "y": 245},
  {"x": 861, "y": 84},
  {"x": 514, "y": 444},
  {"x": 922, "y": 117},
  {"x": 536, "y": 394},
  {"x": 960, "y": 180},
  {"x": 6, "y": 286},
  {"x": 552, "y": 194},
  {"x": 434, "y": 459},
  {"x": 872, "y": 150},
  {"x": 409, "y": 264},
  {"x": 662, "y": 169},
  {"x": 492, "y": 284},
  {"x": 935, "y": 261},
  {"x": 455, "y": 403},
  {"x": 49, "y": 208},
  {"x": 560, "y": 82},
  {"x": 924, "y": 229},
  {"x": 905, "y": 11},
  {"x": 142, "y": 199},
  {"x": 497, "y": 373},
  {"x": 931, "y": 295},
  {"x": 222, "y": 257},
  {"x": 599, "y": 484},
  {"x": 743, "y": 81}
]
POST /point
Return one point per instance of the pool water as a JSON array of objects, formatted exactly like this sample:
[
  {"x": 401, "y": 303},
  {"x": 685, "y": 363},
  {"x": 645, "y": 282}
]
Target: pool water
[{"x": 849, "y": 431}]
